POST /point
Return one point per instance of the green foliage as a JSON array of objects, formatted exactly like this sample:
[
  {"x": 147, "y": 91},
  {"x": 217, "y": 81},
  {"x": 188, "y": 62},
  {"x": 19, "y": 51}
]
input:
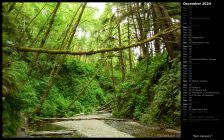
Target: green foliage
[
  {"x": 55, "y": 104},
  {"x": 152, "y": 92},
  {"x": 105, "y": 81},
  {"x": 166, "y": 103},
  {"x": 11, "y": 116},
  {"x": 29, "y": 97},
  {"x": 146, "y": 91},
  {"x": 13, "y": 76},
  {"x": 13, "y": 79},
  {"x": 173, "y": 9},
  {"x": 73, "y": 78}
]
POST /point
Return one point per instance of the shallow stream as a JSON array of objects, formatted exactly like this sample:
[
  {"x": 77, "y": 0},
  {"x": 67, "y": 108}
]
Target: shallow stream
[{"x": 130, "y": 127}]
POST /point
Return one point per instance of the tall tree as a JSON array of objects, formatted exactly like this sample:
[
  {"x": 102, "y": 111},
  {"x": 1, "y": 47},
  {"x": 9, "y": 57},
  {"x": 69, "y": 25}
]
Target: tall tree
[
  {"x": 155, "y": 29},
  {"x": 129, "y": 50},
  {"x": 122, "y": 61},
  {"x": 171, "y": 42},
  {"x": 140, "y": 15},
  {"x": 58, "y": 65},
  {"x": 44, "y": 37}
]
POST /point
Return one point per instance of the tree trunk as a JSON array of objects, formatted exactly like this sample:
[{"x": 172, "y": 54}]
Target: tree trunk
[
  {"x": 44, "y": 38},
  {"x": 112, "y": 72},
  {"x": 163, "y": 17},
  {"x": 129, "y": 50},
  {"x": 57, "y": 67},
  {"x": 169, "y": 23},
  {"x": 40, "y": 31},
  {"x": 33, "y": 19},
  {"x": 140, "y": 22},
  {"x": 11, "y": 7},
  {"x": 156, "y": 30},
  {"x": 122, "y": 61},
  {"x": 135, "y": 29},
  {"x": 25, "y": 55},
  {"x": 66, "y": 37},
  {"x": 19, "y": 10}
]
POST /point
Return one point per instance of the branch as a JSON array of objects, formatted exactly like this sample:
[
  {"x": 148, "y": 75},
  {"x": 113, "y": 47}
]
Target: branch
[{"x": 40, "y": 50}]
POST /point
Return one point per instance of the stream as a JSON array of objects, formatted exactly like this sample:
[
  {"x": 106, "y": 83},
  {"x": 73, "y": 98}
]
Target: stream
[
  {"x": 125, "y": 128},
  {"x": 46, "y": 126},
  {"x": 141, "y": 131}
]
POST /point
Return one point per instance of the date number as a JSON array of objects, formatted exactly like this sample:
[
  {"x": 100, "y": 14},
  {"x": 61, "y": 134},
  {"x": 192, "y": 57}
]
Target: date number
[{"x": 206, "y": 3}]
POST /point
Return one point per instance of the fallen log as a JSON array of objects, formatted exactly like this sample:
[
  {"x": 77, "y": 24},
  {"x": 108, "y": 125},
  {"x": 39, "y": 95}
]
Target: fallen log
[
  {"x": 91, "y": 52},
  {"x": 104, "y": 106},
  {"x": 78, "y": 119},
  {"x": 52, "y": 133},
  {"x": 102, "y": 112},
  {"x": 108, "y": 109}
]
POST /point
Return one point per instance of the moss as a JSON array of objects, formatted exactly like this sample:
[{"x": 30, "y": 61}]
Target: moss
[{"x": 152, "y": 92}]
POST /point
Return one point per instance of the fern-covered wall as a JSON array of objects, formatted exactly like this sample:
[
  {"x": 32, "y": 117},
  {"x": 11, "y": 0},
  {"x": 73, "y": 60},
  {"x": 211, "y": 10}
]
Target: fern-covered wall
[{"x": 152, "y": 93}]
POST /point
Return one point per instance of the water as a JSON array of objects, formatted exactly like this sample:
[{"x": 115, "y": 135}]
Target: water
[
  {"x": 45, "y": 126},
  {"x": 140, "y": 131},
  {"x": 129, "y": 127}
]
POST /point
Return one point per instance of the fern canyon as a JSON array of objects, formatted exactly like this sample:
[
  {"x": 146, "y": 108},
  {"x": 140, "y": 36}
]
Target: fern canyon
[{"x": 91, "y": 69}]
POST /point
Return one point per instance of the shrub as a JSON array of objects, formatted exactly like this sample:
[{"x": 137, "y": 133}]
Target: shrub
[{"x": 151, "y": 93}]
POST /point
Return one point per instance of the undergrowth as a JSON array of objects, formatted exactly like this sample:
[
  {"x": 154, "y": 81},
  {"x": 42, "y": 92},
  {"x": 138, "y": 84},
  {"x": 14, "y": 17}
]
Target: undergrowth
[{"x": 152, "y": 93}]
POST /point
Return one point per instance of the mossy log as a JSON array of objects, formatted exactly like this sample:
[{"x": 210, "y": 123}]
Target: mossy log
[
  {"x": 52, "y": 133},
  {"x": 78, "y": 119},
  {"x": 40, "y": 50}
]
